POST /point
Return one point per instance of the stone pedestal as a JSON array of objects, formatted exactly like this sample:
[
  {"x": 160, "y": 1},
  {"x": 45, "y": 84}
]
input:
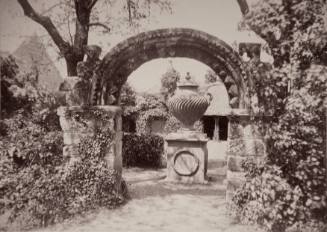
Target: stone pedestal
[{"x": 187, "y": 157}]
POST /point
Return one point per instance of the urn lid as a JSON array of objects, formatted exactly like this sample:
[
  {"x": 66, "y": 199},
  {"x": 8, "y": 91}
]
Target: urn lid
[{"x": 188, "y": 82}]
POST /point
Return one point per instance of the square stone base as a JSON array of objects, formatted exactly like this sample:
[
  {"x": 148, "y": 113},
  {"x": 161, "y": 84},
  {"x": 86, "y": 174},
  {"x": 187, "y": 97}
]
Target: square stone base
[{"x": 187, "y": 158}]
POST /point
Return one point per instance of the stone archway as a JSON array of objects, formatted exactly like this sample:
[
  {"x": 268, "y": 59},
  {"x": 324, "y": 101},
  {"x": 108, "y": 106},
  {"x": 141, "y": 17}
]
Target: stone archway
[
  {"x": 128, "y": 55},
  {"x": 244, "y": 138}
]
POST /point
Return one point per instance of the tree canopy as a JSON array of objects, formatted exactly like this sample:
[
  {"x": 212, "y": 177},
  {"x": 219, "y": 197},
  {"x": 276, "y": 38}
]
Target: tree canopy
[
  {"x": 293, "y": 29},
  {"x": 69, "y": 23},
  {"x": 210, "y": 76},
  {"x": 169, "y": 82}
]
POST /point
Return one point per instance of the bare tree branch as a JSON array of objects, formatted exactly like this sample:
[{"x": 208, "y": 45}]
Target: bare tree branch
[
  {"x": 129, "y": 6},
  {"x": 47, "y": 24},
  {"x": 243, "y": 6},
  {"x": 92, "y": 3},
  {"x": 99, "y": 24},
  {"x": 69, "y": 31},
  {"x": 51, "y": 8}
]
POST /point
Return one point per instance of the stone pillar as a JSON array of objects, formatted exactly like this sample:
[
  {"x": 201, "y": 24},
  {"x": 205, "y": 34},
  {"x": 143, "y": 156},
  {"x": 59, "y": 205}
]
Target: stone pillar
[
  {"x": 244, "y": 141},
  {"x": 78, "y": 122}
]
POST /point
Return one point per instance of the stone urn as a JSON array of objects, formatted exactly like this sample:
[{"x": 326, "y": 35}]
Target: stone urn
[{"x": 187, "y": 105}]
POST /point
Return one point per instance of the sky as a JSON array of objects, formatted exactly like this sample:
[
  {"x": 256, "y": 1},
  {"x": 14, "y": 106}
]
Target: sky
[{"x": 216, "y": 17}]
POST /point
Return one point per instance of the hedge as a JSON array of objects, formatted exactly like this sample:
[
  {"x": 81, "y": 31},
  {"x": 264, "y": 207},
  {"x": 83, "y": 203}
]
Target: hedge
[{"x": 142, "y": 150}]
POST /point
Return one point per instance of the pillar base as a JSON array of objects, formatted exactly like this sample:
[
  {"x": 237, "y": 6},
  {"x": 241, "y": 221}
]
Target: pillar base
[{"x": 187, "y": 157}]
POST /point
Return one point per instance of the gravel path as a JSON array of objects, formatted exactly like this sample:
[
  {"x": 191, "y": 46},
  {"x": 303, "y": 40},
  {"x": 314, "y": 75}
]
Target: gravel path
[{"x": 159, "y": 206}]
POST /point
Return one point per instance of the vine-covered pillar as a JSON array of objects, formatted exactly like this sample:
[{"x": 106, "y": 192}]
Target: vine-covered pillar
[
  {"x": 79, "y": 122},
  {"x": 245, "y": 140}
]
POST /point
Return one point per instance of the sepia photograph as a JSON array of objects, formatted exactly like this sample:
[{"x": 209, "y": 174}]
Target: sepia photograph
[{"x": 163, "y": 115}]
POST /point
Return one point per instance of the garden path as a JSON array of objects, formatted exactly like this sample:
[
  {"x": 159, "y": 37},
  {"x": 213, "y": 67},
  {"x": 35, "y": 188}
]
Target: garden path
[{"x": 159, "y": 206}]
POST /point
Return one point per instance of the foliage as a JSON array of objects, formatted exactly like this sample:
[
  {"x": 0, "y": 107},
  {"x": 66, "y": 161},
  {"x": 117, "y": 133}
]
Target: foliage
[
  {"x": 268, "y": 199},
  {"x": 128, "y": 103},
  {"x": 311, "y": 226},
  {"x": 149, "y": 108},
  {"x": 270, "y": 86},
  {"x": 127, "y": 96},
  {"x": 38, "y": 187},
  {"x": 210, "y": 76},
  {"x": 149, "y": 101},
  {"x": 62, "y": 18},
  {"x": 295, "y": 153},
  {"x": 293, "y": 92},
  {"x": 172, "y": 124},
  {"x": 142, "y": 150},
  {"x": 169, "y": 82},
  {"x": 10, "y": 100},
  {"x": 25, "y": 158},
  {"x": 145, "y": 118},
  {"x": 299, "y": 135},
  {"x": 294, "y": 30},
  {"x": 21, "y": 95}
]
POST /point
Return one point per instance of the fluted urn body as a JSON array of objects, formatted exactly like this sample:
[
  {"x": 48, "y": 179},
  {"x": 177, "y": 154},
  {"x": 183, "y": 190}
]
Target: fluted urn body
[{"x": 187, "y": 105}]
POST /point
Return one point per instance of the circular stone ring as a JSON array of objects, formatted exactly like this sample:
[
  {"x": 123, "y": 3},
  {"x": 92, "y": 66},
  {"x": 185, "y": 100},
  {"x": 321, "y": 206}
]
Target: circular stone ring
[{"x": 186, "y": 163}]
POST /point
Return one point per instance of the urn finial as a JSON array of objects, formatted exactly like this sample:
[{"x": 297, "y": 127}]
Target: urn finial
[{"x": 187, "y": 105}]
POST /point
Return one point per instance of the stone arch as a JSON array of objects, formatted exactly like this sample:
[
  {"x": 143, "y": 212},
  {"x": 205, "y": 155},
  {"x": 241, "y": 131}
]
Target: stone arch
[{"x": 128, "y": 55}]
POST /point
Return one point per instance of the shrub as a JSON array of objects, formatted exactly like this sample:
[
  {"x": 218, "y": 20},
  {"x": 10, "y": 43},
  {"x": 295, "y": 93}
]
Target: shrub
[
  {"x": 293, "y": 90},
  {"x": 146, "y": 117},
  {"x": 295, "y": 159},
  {"x": 37, "y": 185},
  {"x": 142, "y": 150},
  {"x": 268, "y": 199},
  {"x": 310, "y": 226}
]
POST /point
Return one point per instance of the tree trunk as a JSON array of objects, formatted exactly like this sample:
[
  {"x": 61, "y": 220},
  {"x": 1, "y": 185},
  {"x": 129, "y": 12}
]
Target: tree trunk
[
  {"x": 71, "y": 65},
  {"x": 81, "y": 38}
]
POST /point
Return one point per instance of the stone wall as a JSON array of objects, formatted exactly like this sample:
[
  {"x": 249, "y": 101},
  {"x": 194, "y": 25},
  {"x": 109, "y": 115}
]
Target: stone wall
[{"x": 245, "y": 140}]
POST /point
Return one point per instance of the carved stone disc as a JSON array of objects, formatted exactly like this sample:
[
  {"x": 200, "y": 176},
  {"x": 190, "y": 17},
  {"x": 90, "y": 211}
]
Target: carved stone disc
[{"x": 186, "y": 163}]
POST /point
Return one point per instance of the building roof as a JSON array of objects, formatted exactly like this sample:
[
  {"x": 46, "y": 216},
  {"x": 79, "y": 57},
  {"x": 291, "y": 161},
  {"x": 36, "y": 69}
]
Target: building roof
[{"x": 219, "y": 104}]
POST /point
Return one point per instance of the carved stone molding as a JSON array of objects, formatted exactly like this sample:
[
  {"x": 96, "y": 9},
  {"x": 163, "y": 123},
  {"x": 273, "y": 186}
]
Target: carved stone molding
[{"x": 128, "y": 55}]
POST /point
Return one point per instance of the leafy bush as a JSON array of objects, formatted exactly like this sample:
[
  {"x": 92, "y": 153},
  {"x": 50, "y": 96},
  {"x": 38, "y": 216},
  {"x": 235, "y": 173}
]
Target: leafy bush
[
  {"x": 149, "y": 107},
  {"x": 268, "y": 199},
  {"x": 146, "y": 117},
  {"x": 37, "y": 185},
  {"x": 21, "y": 94},
  {"x": 142, "y": 150},
  {"x": 12, "y": 98},
  {"x": 310, "y": 226},
  {"x": 294, "y": 172}
]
